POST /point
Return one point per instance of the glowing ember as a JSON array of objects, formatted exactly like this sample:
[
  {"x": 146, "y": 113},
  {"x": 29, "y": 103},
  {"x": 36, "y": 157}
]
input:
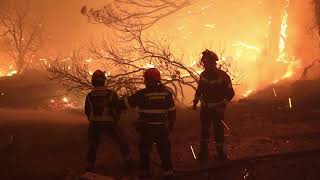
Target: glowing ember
[
  {"x": 194, "y": 155},
  {"x": 65, "y": 99},
  {"x": 225, "y": 125},
  {"x": 274, "y": 92},
  {"x": 290, "y": 103},
  {"x": 246, "y": 174},
  {"x": 2, "y": 94}
]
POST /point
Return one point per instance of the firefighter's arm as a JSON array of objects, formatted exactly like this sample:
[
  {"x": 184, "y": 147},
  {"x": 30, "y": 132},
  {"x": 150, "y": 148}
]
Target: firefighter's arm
[
  {"x": 229, "y": 90},
  {"x": 171, "y": 113},
  {"x": 115, "y": 103},
  {"x": 132, "y": 101},
  {"x": 87, "y": 108}
]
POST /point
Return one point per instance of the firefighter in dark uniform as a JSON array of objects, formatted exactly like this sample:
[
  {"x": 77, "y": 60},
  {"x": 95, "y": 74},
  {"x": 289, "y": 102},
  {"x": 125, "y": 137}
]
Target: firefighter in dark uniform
[
  {"x": 157, "y": 115},
  {"x": 214, "y": 92},
  {"x": 102, "y": 110}
]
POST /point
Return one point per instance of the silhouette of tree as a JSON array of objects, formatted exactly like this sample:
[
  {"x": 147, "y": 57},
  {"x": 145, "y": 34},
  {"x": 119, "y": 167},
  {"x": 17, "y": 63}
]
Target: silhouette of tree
[{"x": 19, "y": 35}]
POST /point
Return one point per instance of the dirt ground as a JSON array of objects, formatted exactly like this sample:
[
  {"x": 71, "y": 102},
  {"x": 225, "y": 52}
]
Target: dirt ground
[{"x": 263, "y": 143}]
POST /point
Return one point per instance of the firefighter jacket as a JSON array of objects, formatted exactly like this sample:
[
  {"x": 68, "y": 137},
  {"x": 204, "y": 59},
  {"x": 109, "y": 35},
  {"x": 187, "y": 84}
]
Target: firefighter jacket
[
  {"x": 155, "y": 105},
  {"x": 214, "y": 89},
  {"x": 102, "y": 105}
]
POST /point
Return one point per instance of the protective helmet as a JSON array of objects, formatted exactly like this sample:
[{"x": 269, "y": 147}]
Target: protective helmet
[
  {"x": 98, "y": 76},
  {"x": 209, "y": 57},
  {"x": 152, "y": 75}
]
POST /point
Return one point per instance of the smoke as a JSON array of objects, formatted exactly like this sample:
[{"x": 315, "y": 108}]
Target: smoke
[{"x": 303, "y": 36}]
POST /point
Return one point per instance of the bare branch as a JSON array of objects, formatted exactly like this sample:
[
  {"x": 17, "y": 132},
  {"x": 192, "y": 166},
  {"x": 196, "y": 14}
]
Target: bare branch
[
  {"x": 20, "y": 35},
  {"x": 129, "y": 14}
]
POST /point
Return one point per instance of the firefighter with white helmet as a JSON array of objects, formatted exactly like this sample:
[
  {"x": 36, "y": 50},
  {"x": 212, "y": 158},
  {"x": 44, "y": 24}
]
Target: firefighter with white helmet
[
  {"x": 214, "y": 91},
  {"x": 157, "y": 115},
  {"x": 102, "y": 109}
]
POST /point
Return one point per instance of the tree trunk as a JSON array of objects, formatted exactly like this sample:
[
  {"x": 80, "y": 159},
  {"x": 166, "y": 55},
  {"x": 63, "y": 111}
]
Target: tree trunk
[{"x": 20, "y": 64}]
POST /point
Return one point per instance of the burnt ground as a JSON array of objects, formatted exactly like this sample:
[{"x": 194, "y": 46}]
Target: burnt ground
[{"x": 264, "y": 142}]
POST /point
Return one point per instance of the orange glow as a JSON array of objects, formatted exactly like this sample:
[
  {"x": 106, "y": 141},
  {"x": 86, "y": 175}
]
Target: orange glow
[
  {"x": 288, "y": 74},
  {"x": 283, "y": 34},
  {"x": 247, "y": 93},
  {"x": 65, "y": 99},
  {"x": 12, "y": 71}
]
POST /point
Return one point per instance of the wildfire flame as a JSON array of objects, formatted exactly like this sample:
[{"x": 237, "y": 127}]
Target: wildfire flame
[{"x": 283, "y": 34}]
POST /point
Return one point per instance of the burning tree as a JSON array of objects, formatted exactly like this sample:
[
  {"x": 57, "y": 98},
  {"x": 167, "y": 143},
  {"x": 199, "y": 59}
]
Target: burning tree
[
  {"x": 126, "y": 56},
  {"x": 20, "y": 36},
  {"x": 317, "y": 14},
  {"x": 129, "y": 62}
]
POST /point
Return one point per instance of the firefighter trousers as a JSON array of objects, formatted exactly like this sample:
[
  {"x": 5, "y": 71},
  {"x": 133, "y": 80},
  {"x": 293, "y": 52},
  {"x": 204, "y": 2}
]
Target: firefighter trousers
[
  {"x": 96, "y": 130},
  {"x": 159, "y": 135},
  {"x": 209, "y": 117}
]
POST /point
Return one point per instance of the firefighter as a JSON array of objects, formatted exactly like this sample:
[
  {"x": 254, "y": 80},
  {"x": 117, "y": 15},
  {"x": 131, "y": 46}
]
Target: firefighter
[
  {"x": 103, "y": 110},
  {"x": 214, "y": 92},
  {"x": 157, "y": 115}
]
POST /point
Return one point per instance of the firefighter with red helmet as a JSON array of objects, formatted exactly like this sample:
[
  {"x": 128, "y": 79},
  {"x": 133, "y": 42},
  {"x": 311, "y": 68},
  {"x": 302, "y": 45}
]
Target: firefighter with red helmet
[
  {"x": 102, "y": 109},
  {"x": 214, "y": 92},
  {"x": 157, "y": 115}
]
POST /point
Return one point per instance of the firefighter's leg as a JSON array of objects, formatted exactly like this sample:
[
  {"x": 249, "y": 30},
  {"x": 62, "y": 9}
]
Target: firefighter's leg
[
  {"x": 219, "y": 133},
  {"x": 205, "y": 133},
  {"x": 93, "y": 142},
  {"x": 164, "y": 150},
  {"x": 118, "y": 136},
  {"x": 145, "y": 151}
]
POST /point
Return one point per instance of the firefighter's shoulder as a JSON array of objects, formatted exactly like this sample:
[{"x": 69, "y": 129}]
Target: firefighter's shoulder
[
  {"x": 168, "y": 89},
  {"x": 138, "y": 94}
]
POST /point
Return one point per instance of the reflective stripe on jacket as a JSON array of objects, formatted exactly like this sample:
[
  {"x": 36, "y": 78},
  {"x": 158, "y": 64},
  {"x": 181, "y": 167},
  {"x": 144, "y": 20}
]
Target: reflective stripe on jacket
[
  {"x": 215, "y": 87},
  {"x": 102, "y": 105}
]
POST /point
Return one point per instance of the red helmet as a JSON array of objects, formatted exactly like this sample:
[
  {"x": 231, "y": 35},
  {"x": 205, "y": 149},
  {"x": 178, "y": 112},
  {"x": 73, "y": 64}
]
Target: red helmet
[
  {"x": 99, "y": 75},
  {"x": 152, "y": 75},
  {"x": 209, "y": 57}
]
